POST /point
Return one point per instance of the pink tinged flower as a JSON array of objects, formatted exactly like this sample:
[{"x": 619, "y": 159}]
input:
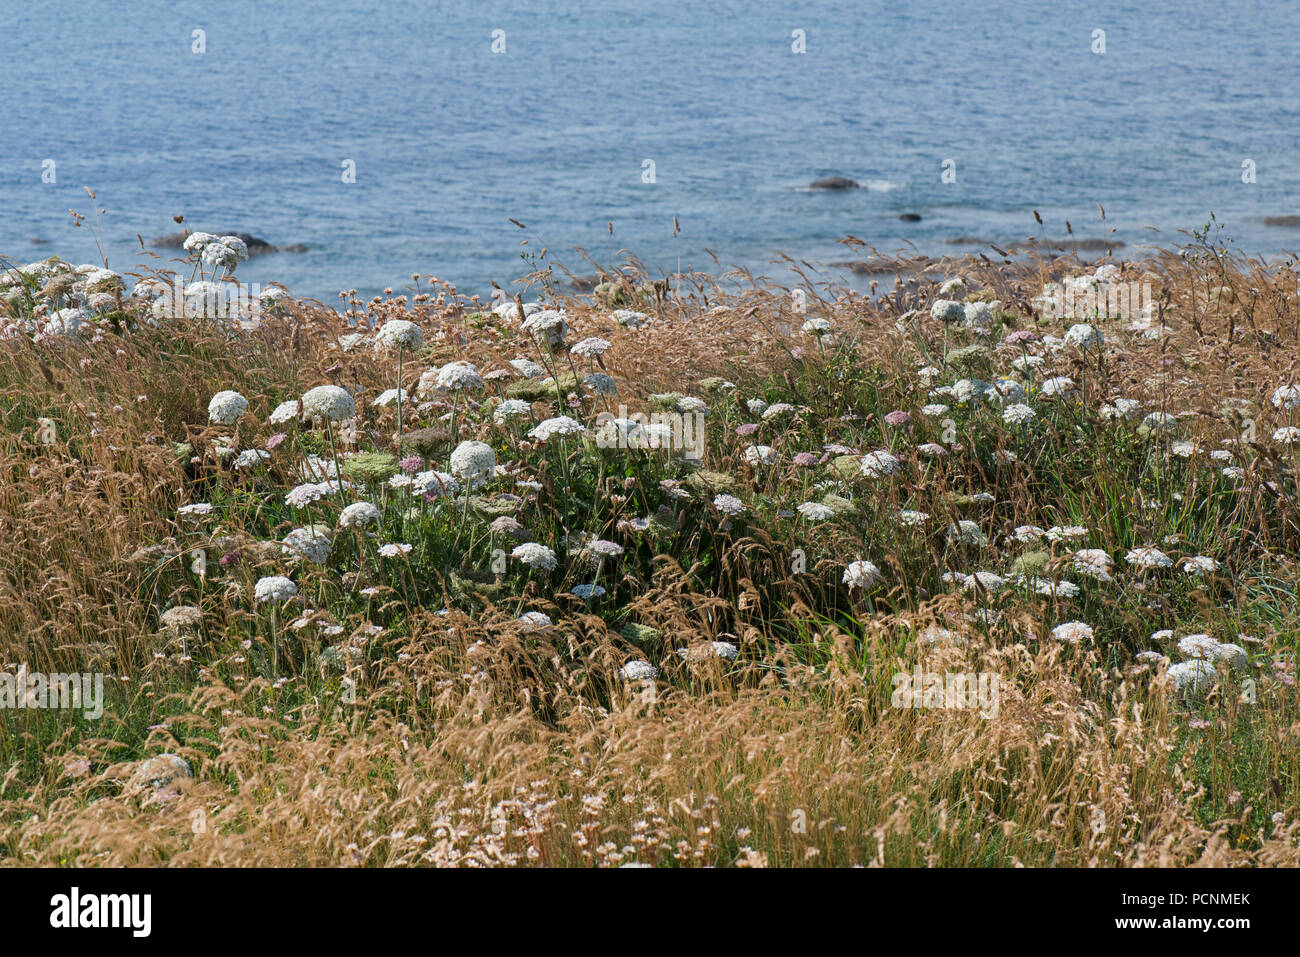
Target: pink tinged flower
[
  {"x": 1021, "y": 335},
  {"x": 411, "y": 464},
  {"x": 805, "y": 459},
  {"x": 749, "y": 428},
  {"x": 275, "y": 440},
  {"x": 230, "y": 558},
  {"x": 898, "y": 418}
]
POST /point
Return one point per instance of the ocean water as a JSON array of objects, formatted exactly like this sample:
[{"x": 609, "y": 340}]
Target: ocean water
[{"x": 451, "y": 140}]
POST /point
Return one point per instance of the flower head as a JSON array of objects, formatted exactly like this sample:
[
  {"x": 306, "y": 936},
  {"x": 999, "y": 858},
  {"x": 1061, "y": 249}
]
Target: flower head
[
  {"x": 399, "y": 334},
  {"x": 862, "y": 574},
  {"x": 226, "y": 407},
  {"x": 329, "y": 403},
  {"x": 274, "y": 588},
  {"x": 473, "y": 462},
  {"x": 535, "y": 555}
]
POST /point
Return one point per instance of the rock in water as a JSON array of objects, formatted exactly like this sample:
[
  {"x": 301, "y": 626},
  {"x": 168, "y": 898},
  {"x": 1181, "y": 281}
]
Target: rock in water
[
  {"x": 256, "y": 245},
  {"x": 833, "y": 182},
  {"x": 910, "y": 217}
]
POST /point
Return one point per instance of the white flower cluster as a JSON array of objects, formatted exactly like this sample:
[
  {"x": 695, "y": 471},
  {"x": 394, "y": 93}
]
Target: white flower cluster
[
  {"x": 398, "y": 334},
  {"x": 328, "y": 403},
  {"x": 535, "y": 556},
  {"x": 557, "y": 425},
  {"x": 862, "y": 574},
  {"x": 473, "y": 462},
  {"x": 226, "y": 407},
  {"x": 275, "y": 588}
]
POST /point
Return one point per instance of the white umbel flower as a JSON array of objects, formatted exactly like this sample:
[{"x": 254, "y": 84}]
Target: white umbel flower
[
  {"x": 1093, "y": 562},
  {"x": 274, "y": 588},
  {"x": 591, "y": 347},
  {"x": 219, "y": 253},
  {"x": 450, "y": 378},
  {"x": 284, "y": 412},
  {"x": 549, "y": 325},
  {"x": 558, "y": 425},
  {"x": 815, "y": 511},
  {"x": 311, "y": 543},
  {"x": 948, "y": 310},
  {"x": 1286, "y": 397},
  {"x": 398, "y": 334},
  {"x": 1084, "y": 336},
  {"x": 359, "y": 515},
  {"x": 878, "y": 463},
  {"x": 1017, "y": 414},
  {"x": 195, "y": 242},
  {"x": 1072, "y": 632},
  {"x": 328, "y": 403},
  {"x": 639, "y": 671},
  {"x": 816, "y": 327},
  {"x": 535, "y": 555},
  {"x": 510, "y": 408},
  {"x": 226, "y": 407},
  {"x": 473, "y": 462},
  {"x": 862, "y": 574},
  {"x": 1148, "y": 556},
  {"x": 1191, "y": 677},
  {"x": 1058, "y": 385},
  {"x": 728, "y": 505}
]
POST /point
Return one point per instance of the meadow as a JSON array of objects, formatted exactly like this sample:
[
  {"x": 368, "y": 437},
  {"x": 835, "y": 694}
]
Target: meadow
[{"x": 631, "y": 577}]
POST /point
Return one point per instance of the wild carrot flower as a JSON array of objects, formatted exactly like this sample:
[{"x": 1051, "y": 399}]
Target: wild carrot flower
[
  {"x": 1072, "y": 632},
  {"x": 639, "y": 671},
  {"x": 1286, "y": 397},
  {"x": 728, "y": 505},
  {"x": 815, "y": 511},
  {"x": 878, "y": 463},
  {"x": 226, "y": 407},
  {"x": 473, "y": 462},
  {"x": 558, "y": 425},
  {"x": 359, "y": 515},
  {"x": 591, "y": 347},
  {"x": 535, "y": 555},
  {"x": 948, "y": 311},
  {"x": 328, "y": 403},
  {"x": 274, "y": 588},
  {"x": 399, "y": 334},
  {"x": 1148, "y": 556},
  {"x": 861, "y": 574}
]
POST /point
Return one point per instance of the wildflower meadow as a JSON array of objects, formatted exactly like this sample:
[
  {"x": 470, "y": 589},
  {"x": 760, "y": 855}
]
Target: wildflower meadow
[{"x": 678, "y": 571}]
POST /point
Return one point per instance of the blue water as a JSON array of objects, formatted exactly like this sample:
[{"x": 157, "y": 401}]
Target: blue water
[{"x": 451, "y": 140}]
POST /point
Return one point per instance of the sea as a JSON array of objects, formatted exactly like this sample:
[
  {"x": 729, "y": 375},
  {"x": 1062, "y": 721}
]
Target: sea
[{"x": 477, "y": 141}]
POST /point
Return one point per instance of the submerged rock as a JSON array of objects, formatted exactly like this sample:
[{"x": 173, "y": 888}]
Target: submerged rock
[
  {"x": 833, "y": 182},
  {"x": 256, "y": 246}
]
